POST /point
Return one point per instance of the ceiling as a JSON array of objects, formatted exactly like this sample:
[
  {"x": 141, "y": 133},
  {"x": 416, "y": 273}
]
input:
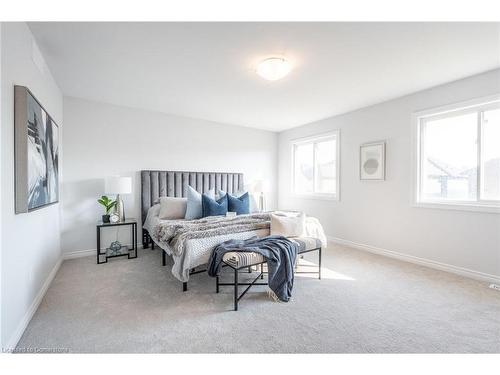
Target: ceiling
[{"x": 207, "y": 70}]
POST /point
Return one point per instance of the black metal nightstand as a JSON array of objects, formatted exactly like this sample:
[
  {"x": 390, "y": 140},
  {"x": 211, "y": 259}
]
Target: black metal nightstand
[{"x": 128, "y": 251}]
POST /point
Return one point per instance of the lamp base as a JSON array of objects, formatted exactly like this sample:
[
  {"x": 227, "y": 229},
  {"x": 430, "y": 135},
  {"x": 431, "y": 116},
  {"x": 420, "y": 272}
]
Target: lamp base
[
  {"x": 262, "y": 202},
  {"x": 120, "y": 209}
]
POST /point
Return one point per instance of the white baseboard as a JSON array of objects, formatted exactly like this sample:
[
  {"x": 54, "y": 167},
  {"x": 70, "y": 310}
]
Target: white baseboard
[
  {"x": 420, "y": 261},
  {"x": 16, "y": 336},
  {"x": 79, "y": 254}
]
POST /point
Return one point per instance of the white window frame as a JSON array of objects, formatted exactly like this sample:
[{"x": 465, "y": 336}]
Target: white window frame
[
  {"x": 313, "y": 139},
  {"x": 418, "y": 120}
]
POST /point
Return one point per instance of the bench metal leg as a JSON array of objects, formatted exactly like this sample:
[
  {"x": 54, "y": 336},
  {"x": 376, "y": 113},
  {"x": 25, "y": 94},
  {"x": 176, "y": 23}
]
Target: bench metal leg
[
  {"x": 163, "y": 258},
  {"x": 235, "y": 290},
  {"x": 184, "y": 286},
  {"x": 235, "y": 284},
  {"x": 319, "y": 264},
  {"x": 301, "y": 256}
]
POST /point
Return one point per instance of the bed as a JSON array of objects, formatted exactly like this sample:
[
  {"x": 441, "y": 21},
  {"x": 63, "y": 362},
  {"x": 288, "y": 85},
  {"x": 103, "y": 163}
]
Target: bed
[{"x": 155, "y": 184}]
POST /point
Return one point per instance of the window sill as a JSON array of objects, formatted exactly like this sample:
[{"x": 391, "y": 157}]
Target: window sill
[
  {"x": 325, "y": 197},
  {"x": 474, "y": 207}
]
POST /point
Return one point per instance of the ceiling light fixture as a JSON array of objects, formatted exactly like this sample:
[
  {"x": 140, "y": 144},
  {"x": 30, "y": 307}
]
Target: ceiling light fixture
[{"x": 274, "y": 68}]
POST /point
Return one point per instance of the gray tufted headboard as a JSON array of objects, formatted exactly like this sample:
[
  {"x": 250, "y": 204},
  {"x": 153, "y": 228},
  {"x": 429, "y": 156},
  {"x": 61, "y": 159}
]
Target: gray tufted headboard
[{"x": 156, "y": 184}]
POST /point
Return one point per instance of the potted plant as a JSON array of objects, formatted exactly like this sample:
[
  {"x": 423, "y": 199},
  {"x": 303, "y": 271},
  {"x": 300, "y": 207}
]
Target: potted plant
[{"x": 108, "y": 204}]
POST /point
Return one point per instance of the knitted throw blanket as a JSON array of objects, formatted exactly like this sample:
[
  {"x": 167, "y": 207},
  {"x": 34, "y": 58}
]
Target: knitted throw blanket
[{"x": 177, "y": 232}]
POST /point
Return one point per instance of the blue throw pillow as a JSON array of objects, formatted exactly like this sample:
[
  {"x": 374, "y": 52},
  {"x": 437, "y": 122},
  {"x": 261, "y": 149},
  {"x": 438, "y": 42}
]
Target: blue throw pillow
[
  {"x": 240, "y": 205},
  {"x": 194, "y": 209},
  {"x": 212, "y": 207}
]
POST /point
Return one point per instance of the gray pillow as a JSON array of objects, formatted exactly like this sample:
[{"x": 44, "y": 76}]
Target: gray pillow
[
  {"x": 172, "y": 208},
  {"x": 194, "y": 207}
]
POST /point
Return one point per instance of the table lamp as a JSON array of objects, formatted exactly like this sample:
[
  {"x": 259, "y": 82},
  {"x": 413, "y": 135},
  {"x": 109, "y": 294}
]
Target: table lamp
[
  {"x": 258, "y": 187},
  {"x": 118, "y": 185}
]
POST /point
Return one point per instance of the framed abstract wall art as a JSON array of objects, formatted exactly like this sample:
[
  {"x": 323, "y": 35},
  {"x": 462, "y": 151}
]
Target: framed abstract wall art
[
  {"x": 36, "y": 153},
  {"x": 372, "y": 161}
]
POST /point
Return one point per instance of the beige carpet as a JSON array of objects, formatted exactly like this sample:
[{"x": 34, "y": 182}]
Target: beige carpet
[{"x": 365, "y": 303}]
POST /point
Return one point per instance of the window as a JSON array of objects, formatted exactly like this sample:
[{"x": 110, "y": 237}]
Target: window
[
  {"x": 459, "y": 156},
  {"x": 315, "y": 166}
]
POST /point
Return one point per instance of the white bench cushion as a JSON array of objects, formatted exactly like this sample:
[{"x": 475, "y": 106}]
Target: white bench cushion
[{"x": 238, "y": 259}]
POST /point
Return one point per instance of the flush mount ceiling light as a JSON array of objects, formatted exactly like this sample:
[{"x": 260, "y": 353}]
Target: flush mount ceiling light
[{"x": 274, "y": 68}]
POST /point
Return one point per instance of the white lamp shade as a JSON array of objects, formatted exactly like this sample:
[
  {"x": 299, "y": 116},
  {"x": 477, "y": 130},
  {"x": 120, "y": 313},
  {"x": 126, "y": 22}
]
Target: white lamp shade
[
  {"x": 118, "y": 185},
  {"x": 258, "y": 186}
]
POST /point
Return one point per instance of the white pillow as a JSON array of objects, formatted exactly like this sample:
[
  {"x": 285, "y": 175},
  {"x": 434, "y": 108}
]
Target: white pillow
[
  {"x": 172, "y": 208},
  {"x": 289, "y": 225},
  {"x": 155, "y": 209}
]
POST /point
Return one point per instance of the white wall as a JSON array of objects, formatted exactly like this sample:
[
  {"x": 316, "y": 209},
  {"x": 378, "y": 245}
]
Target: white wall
[
  {"x": 1, "y": 300},
  {"x": 30, "y": 242},
  {"x": 379, "y": 213},
  {"x": 102, "y": 140}
]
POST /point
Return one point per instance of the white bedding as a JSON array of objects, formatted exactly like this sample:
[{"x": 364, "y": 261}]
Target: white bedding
[{"x": 197, "y": 251}]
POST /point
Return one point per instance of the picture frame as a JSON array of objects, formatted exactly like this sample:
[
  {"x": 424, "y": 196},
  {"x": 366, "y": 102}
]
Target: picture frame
[
  {"x": 36, "y": 149},
  {"x": 372, "y": 161}
]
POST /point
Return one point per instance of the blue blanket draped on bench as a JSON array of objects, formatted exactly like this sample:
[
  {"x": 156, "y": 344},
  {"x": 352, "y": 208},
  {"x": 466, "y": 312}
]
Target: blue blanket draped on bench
[{"x": 279, "y": 252}]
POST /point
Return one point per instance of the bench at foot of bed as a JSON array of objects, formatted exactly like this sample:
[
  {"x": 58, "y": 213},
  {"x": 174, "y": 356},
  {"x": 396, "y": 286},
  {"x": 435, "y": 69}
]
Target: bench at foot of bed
[{"x": 238, "y": 261}]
